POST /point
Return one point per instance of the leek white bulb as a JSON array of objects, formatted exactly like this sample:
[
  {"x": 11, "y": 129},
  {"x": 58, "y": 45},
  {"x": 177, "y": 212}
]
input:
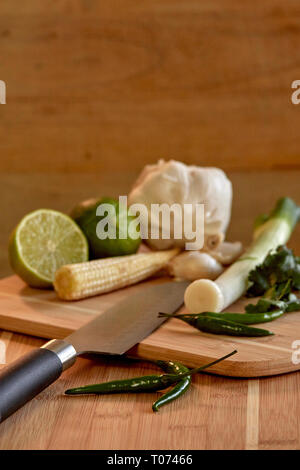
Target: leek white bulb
[{"x": 174, "y": 182}]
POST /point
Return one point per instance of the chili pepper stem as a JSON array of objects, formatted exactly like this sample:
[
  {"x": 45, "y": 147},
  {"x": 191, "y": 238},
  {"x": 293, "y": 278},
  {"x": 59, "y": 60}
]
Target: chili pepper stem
[
  {"x": 194, "y": 371},
  {"x": 175, "y": 377}
]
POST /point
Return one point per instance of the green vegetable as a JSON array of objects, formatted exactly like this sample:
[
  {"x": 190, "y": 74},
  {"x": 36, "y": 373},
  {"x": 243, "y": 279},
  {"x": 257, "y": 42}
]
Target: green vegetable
[
  {"x": 179, "y": 389},
  {"x": 241, "y": 318},
  {"x": 268, "y": 305},
  {"x": 265, "y": 305},
  {"x": 279, "y": 268},
  {"x": 231, "y": 285},
  {"x": 219, "y": 326},
  {"x": 275, "y": 279},
  {"x": 245, "y": 319},
  {"x": 147, "y": 383},
  {"x": 114, "y": 244},
  {"x": 293, "y": 304}
]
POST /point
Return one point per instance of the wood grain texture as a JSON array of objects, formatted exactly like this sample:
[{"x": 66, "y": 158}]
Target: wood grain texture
[
  {"x": 271, "y": 433},
  {"x": 95, "y": 86},
  {"x": 215, "y": 414},
  {"x": 55, "y": 421},
  {"x": 252, "y": 424},
  {"x": 41, "y": 313}
]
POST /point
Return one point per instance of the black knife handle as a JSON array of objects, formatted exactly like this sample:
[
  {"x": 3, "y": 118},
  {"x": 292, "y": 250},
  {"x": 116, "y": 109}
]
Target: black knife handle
[{"x": 28, "y": 376}]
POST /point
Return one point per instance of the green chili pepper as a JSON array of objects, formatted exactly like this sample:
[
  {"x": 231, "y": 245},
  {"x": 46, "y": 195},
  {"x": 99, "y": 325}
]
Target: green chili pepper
[
  {"x": 148, "y": 383},
  {"x": 179, "y": 389},
  {"x": 241, "y": 318},
  {"x": 247, "y": 319},
  {"x": 218, "y": 326}
]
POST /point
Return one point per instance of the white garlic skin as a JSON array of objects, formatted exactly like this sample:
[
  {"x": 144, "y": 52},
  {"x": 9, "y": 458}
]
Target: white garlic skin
[{"x": 174, "y": 182}]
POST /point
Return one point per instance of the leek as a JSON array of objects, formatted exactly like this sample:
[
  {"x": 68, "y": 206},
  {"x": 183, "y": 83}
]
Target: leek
[{"x": 270, "y": 232}]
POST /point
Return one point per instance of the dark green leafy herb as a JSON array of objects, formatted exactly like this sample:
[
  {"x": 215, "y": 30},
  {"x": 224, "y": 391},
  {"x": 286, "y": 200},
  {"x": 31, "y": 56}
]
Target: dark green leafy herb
[
  {"x": 293, "y": 304},
  {"x": 278, "y": 269},
  {"x": 275, "y": 279},
  {"x": 265, "y": 305}
]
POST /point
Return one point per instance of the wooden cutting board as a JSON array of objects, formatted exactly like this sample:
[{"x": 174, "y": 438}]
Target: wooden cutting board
[{"x": 41, "y": 313}]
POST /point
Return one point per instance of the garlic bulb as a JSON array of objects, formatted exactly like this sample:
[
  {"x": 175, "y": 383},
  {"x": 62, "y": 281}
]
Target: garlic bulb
[
  {"x": 174, "y": 182},
  {"x": 191, "y": 265}
]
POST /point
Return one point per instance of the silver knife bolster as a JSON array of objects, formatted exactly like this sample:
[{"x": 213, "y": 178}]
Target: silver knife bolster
[{"x": 64, "y": 351}]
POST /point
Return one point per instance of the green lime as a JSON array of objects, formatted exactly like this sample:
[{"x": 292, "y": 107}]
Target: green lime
[
  {"x": 42, "y": 242},
  {"x": 113, "y": 244}
]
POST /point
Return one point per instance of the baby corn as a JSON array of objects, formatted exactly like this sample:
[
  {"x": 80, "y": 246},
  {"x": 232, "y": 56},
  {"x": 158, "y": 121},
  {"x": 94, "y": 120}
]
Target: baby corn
[{"x": 78, "y": 281}]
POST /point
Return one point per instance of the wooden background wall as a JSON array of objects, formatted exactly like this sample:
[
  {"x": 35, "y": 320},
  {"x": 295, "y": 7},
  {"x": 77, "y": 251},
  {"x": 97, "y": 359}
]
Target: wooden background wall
[{"x": 98, "y": 85}]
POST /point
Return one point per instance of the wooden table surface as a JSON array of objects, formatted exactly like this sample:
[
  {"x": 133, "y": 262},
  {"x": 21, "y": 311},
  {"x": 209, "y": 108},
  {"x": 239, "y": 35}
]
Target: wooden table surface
[{"x": 217, "y": 413}]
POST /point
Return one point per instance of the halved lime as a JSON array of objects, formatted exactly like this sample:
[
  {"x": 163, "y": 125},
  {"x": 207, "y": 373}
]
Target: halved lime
[{"x": 44, "y": 241}]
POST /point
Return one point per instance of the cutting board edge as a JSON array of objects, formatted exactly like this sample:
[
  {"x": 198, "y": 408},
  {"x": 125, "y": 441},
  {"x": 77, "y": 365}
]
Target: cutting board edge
[
  {"x": 37, "y": 329},
  {"x": 230, "y": 368},
  {"x": 48, "y": 327},
  {"x": 145, "y": 351}
]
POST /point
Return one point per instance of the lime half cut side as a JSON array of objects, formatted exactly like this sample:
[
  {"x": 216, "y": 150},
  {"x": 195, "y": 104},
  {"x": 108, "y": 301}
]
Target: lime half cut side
[{"x": 44, "y": 241}]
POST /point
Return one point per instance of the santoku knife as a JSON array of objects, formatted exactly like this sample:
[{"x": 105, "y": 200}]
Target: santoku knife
[{"x": 112, "y": 332}]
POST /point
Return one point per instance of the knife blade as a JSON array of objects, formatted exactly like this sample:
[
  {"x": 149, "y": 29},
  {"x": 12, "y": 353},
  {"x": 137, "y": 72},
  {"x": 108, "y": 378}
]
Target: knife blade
[
  {"x": 119, "y": 328},
  {"x": 112, "y": 332}
]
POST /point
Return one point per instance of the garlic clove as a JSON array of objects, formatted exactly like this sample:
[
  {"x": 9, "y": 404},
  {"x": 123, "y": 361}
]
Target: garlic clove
[
  {"x": 226, "y": 252},
  {"x": 191, "y": 265},
  {"x": 213, "y": 241}
]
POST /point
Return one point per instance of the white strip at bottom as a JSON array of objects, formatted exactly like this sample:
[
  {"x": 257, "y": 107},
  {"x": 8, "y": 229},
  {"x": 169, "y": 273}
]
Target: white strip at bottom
[{"x": 252, "y": 425}]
